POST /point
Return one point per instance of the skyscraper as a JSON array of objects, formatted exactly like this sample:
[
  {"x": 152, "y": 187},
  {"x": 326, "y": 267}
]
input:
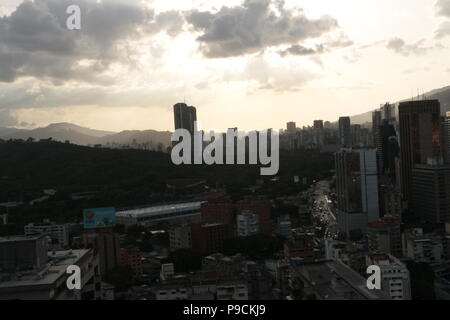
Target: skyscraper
[
  {"x": 388, "y": 112},
  {"x": 184, "y": 116},
  {"x": 318, "y": 132},
  {"x": 344, "y": 131},
  {"x": 420, "y": 138},
  {"x": 291, "y": 127},
  {"x": 446, "y": 134},
  {"x": 430, "y": 193},
  {"x": 356, "y": 189},
  {"x": 386, "y": 143},
  {"x": 318, "y": 124},
  {"x": 376, "y": 118}
]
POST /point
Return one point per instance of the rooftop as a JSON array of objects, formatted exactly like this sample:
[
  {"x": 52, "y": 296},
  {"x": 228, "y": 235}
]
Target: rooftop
[
  {"x": 57, "y": 267},
  {"x": 333, "y": 280},
  {"x": 21, "y": 238},
  {"x": 159, "y": 209},
  {"x": 383, "y": 221}
]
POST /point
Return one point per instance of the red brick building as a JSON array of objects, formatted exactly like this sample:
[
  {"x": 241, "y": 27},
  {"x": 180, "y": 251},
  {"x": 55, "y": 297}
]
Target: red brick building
[
  {"x": 223, "y": 210},
  {"x": 301, "y": 246},
  {"x": 219, "y": 210},
  {"x": 209, "y": 237},
  {"x": 132, "y": 257}
]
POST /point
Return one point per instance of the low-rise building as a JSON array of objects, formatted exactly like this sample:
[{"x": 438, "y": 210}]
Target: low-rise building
[
  {"x": 425, "y": 247},
  {"x": 301, "y": 246},
  {"x": 131, "y": 256},
  {"x": 247, "y": 224},
  {"x": 180, "y": 237},
  {"x": 395, "y": 279},
  {"x": 209, "y": 237},
  {"x": 58, "y": 233},
  {"x": 43, "y": 274},
  {"x": 384, "y": 236},
  {"x": 188, "y": 212},
  {"x": 329, "y": 280}
]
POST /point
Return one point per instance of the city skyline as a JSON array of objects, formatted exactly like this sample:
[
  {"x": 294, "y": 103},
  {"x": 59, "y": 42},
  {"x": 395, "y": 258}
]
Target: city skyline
[{"x": 224, "y": 58}]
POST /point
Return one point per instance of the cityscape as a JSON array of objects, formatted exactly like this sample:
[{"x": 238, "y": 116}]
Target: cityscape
[{"x": 298, "y": 213}]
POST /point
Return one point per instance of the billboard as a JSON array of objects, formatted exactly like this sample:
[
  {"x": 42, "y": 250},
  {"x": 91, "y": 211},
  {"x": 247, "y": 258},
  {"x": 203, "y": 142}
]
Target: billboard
[{"x": 99, "y": 218}]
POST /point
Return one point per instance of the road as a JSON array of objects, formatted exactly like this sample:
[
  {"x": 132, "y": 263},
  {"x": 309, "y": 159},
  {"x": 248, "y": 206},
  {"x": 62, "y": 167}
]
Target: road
[{"x": 322, "y": 211}]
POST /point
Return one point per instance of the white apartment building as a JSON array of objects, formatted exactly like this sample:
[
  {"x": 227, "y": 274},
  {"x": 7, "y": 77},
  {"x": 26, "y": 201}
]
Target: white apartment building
[
  {"x": 167, "y": 271},
  {"x": 232, "y": 291},
  {"x": 57, "y": 233},
  {"x": 247, "y": 224},
  {"x": 422, "y": 247},
  {"x": 180, "y": 237},
  {"x": 395, "y": 278}
]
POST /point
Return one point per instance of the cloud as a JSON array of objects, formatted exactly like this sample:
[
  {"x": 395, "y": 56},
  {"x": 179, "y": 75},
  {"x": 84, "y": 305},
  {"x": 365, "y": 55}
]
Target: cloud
[
  {"x": 443, "y": 8},
  {"x": 254, "y": 26},
  {"x": 27, "y": 95},
  {"x": 7, "y": 119},
  {"x": 279, "y": 76},
  {"x": 399, "y": 46},
  {"x": 34, "y": 40},
  {"x": 416, "y": 70},
  {"x": 443, "y": 30},
  {"x": 299, "y": 50}
]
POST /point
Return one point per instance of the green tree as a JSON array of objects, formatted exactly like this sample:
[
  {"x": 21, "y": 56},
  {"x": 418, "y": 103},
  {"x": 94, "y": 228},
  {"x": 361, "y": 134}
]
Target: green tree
[
  {"x": 422, "y": 280},
  {"x": 121, "y": 277}
]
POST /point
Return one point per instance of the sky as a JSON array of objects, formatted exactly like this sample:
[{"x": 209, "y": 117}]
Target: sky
[{"x": 252, "y": 64}]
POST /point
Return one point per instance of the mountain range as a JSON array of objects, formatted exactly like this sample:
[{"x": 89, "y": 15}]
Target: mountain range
[
  {"x": 148, "y": 139},
  {"x": 442, "y": 94}
]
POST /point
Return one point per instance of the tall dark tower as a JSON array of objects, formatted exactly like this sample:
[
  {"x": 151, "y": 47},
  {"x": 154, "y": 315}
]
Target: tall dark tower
[
  {"x": 184, "y": 117},
  {"x": 344, "y": 131},
  {"x": 420, "y": 138},
  {"x": 386, "y": 143}
]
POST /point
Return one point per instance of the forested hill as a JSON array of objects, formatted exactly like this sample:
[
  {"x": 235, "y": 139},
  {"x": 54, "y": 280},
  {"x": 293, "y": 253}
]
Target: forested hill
[{"x": 27, "y": 168}]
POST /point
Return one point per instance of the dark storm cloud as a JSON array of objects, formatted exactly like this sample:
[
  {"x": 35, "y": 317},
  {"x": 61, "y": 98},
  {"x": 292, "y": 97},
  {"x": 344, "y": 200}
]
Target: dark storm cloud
[
  {"x": 34, "y": 40},
  {"x": 254, "y": 26}
]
